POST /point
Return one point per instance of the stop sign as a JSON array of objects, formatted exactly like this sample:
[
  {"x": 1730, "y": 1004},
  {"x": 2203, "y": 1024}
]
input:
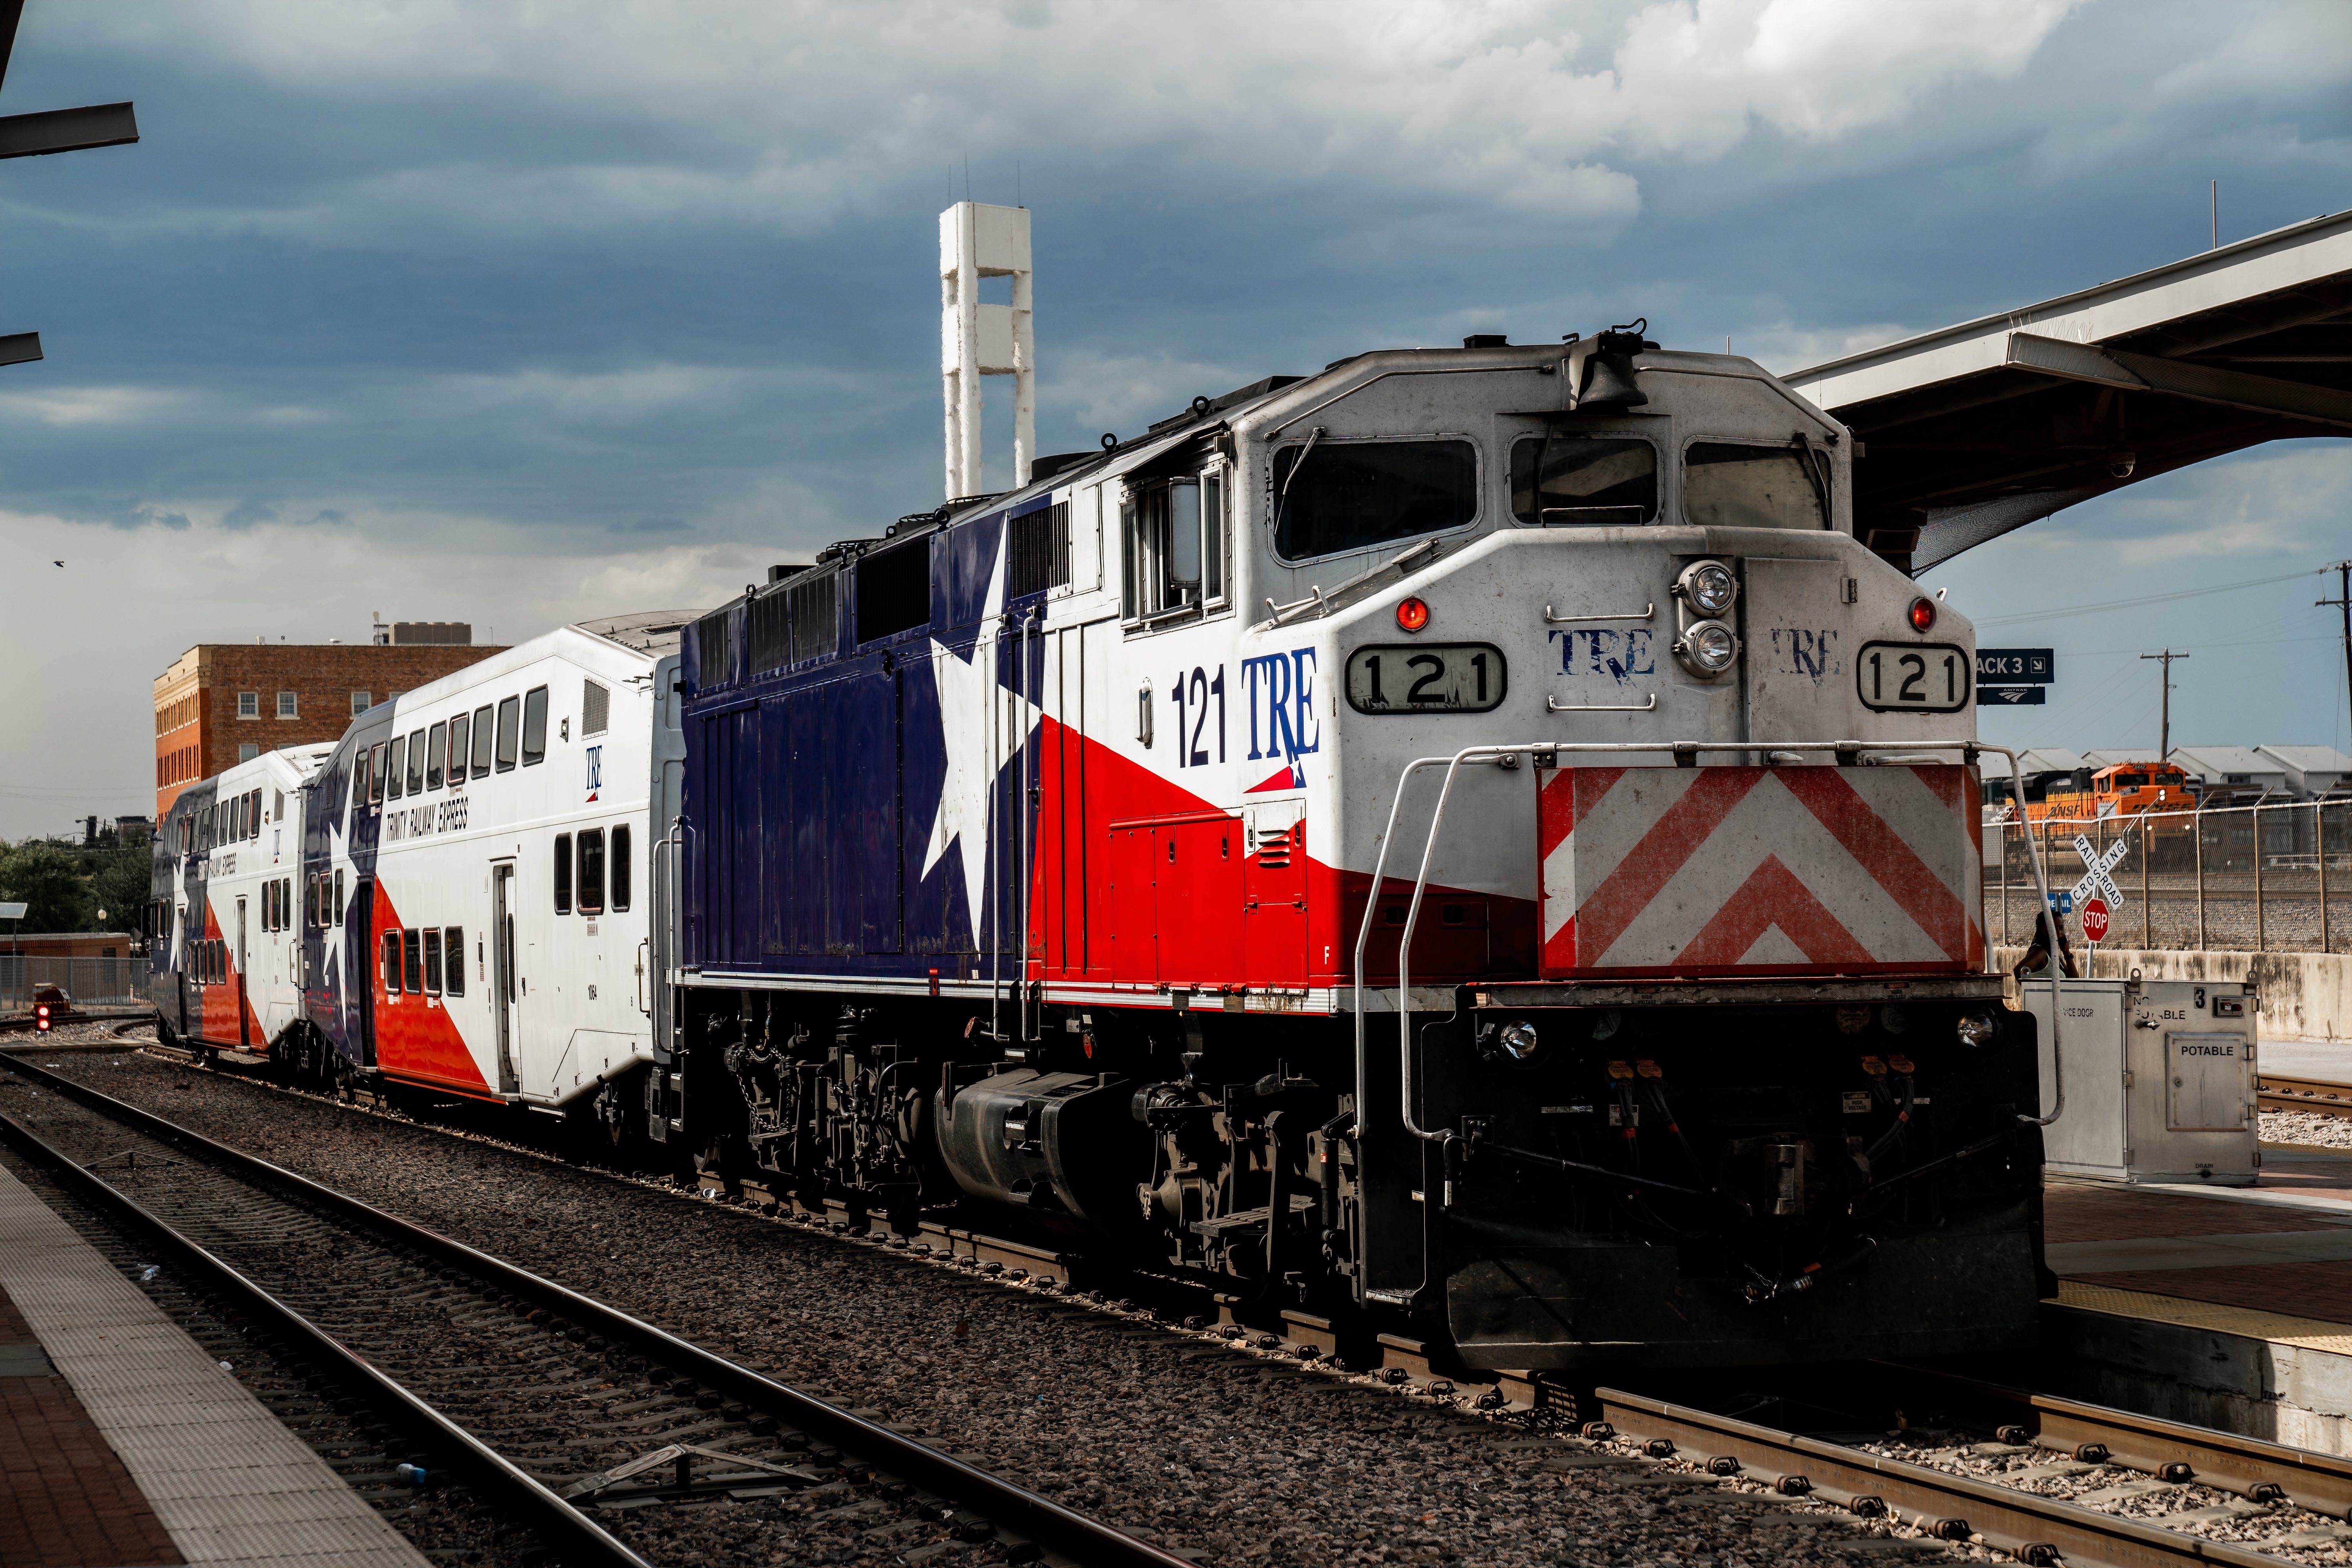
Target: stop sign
[{"x": 2094, "y": 920}]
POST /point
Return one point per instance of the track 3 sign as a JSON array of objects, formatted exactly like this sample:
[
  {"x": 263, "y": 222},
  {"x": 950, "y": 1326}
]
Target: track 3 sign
[
  {"x": 2094, "y": 920},
  {"x": 2016, "y": 667}
]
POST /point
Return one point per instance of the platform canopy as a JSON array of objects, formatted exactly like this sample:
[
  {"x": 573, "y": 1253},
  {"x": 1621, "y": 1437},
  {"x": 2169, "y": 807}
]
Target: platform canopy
[{"x": 1976, "y": 429}]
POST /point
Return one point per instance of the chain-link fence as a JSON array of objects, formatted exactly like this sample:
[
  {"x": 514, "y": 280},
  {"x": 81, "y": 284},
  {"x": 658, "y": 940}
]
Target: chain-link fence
[
  {"x": 2251, "y": 877},
  {"x": 81, "y": 982}
]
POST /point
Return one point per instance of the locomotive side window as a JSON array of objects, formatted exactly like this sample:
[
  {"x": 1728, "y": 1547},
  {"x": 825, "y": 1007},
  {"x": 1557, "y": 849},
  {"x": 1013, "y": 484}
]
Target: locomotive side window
[
  {"x": 563, "y": 873},
  {"x": 1725, "y": 485},
  {"x": 621, "y": 867},
  {"x": 416, "y": 761},
  {"x": 453, "y": 970},
  {"x": 1337, "y": 496},
  {"x": 1174, "y": 534},
  {"x": 592, "y": 872},
  {"x": 1567, "y": 480},
  {"x": 509, "y": 731},
  {"x": 534, "y": 726},
  {"x": 395, "y": 767},
  {"x": 461, "y": 729},
  {"x": 482, "y": 741},
  {"x": 436, "y": 747}
]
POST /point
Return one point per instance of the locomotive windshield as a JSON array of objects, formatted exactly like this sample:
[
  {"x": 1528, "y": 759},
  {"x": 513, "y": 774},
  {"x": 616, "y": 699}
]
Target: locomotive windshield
[
  {"x": 1351, "y": 495},
  {"x": 1585, "y": 479},
  {"x": 1730, "y": 486}
]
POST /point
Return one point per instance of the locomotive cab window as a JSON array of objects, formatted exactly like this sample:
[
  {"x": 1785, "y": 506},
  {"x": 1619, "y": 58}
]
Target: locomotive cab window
[
  {"x": 1174, "y": 534},
  {"x": 591, "y": 891},
  {"x": 534, "y": 726},
  {"x": 1728, "y": 485},
  {"x": 1566, "y": 480},
  {"x": 1331, "y": 497}
]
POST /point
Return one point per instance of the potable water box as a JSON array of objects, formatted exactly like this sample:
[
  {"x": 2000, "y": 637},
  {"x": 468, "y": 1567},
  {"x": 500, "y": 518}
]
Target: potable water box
[{"x": 2160, "y": 1079}]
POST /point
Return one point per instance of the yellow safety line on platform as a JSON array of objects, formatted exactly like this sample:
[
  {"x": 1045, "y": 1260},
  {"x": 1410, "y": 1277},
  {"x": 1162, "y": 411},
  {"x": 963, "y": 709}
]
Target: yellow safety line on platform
[{"x": 2278, "y": 1328}]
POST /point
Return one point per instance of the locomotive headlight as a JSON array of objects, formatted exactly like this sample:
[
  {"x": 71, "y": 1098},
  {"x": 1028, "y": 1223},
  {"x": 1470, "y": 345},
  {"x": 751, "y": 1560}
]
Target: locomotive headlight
[
  {"x": 1707, "y": 586},
  {"x": 1518, "y": 1037},
  {"x": 1977, "y": 1030},
  {"x": 1707, "y": 648}
]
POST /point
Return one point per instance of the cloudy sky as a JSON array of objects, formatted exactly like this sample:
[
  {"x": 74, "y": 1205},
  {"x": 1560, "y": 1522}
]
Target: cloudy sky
[{"x": 526, "y": 311}]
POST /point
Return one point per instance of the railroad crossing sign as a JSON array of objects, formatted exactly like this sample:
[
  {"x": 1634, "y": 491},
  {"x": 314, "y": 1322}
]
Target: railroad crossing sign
[
  {"x": 2096, "y": 865},
  {"x": 2094, "y": 921}
]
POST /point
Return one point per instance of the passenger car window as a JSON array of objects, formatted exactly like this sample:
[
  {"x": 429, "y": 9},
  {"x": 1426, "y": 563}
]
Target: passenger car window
[
  {"x": 376, "y": 772},
  {"x": 592, "y": 872},
  {"x": 1331, "y": 497},
  {"x": 359, "y": 778},
  {"x": 395, "y": 767},
  {"x": 563, "y": 873},
  {"x": 534, "y": 725},
  {"x": 416, "y": 761},
  {"x": 1584, "y": 479},
  {"x": 432, "y": 962},
  {"x": 453, "y": 960},
  {"x": 413, "y": 964},
  {"x": 509, "y": 731},
  {"x": 436, "y": 747},
  {"x": 339, "y": 895},
  {"x": 621, "y": 867},
  {"x": 482, "y": 741},
  {"x": 1727, "y": 484},
  {"x": 392, "y": 964}
]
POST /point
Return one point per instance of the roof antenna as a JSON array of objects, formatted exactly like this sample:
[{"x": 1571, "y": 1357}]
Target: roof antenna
[{"x": 2216, "y": 216}]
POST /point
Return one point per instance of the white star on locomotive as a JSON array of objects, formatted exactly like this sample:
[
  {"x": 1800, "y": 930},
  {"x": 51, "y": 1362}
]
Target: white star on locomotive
[{"x": 973, "y": 743}]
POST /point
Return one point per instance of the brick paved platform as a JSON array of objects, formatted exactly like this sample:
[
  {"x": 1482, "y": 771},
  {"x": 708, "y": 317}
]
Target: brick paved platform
[
  {"x": 123, "y": 1443},
  {"x": 2280, "y": 1249}
]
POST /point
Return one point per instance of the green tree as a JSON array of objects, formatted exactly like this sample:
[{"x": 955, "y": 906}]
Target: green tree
[
  {"x": 49, "y": 882},
  {"x": 122, "y": 885}
]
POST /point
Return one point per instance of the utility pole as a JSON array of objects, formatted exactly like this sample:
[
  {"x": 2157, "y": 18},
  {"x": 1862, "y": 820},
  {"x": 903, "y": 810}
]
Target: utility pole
[
  {"x": 2164, "y": 704},
  {"x": 2343, "y": 601}
]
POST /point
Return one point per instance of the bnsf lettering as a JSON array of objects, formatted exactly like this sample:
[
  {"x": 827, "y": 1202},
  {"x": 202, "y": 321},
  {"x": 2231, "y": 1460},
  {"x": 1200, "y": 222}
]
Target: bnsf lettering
[{"x": 1278, "y": 689}]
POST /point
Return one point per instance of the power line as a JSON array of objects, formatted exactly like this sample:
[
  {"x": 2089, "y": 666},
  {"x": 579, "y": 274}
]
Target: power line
[{"x": 2061, "y": 614}]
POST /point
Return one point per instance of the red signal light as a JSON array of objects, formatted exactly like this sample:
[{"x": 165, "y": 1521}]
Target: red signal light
[
  {"x": 1412, "y": 615},
  {"x": 1923, "y": 614},
  {"x": 41, "y": 1017}
]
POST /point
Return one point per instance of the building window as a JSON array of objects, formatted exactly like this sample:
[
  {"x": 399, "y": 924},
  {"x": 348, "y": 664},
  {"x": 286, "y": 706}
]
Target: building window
[
  {"x": 534, "y": 726},
  {"x": 563, "y": 873},
  {"x": 248, "y": 704},
  {"x": 286, "y": 709},
  {"x": 360, "y": 703},
  {"x": 592, "y": 872},
  {"x": 245, "y": 753},
  {"x": 453, "y": 970},
  {"x": 621, "y": 867}
]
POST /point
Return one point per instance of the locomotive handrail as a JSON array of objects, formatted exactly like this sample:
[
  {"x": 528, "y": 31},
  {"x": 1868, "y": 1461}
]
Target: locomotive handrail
[{"x": 1840, "y": 749}]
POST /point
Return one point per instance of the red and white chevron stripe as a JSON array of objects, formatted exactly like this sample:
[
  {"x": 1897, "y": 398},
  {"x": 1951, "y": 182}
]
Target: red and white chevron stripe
[{"x": 1725, "y": 870}]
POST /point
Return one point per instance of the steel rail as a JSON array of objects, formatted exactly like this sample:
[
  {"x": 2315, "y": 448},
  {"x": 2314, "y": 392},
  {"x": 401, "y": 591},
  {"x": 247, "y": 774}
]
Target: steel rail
[
  {"x": 576, "y": 1537},
  {"x": 2252, "y": 1468},
  {"x": 2036, "y": 1529},
  {"x": 1010, "y": 1506},
  {"x": 2322, "y": 1095}
]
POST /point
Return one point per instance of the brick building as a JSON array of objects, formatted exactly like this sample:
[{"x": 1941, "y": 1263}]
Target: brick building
[{"x": 222, "y": 704}]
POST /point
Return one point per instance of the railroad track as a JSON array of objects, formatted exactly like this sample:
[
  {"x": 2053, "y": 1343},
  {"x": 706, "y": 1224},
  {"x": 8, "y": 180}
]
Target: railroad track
[
  {"x": 1958, "y": 1507},
  {"x": 560, "y": 1408},
  {"x": 2322, "y": 1095}
]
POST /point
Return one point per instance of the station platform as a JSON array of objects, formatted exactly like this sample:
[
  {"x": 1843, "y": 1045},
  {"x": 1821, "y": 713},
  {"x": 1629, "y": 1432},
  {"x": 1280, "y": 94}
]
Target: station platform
[{"x": 123, "y": 1443}]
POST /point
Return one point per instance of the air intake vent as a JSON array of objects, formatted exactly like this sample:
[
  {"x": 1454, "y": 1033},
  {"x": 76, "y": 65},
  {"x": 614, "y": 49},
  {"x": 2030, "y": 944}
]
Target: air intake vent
[
  {"x": 713, "y": 667},
  {"x": 595, "y": 709},
  {"x": 1041, "y": 550}
]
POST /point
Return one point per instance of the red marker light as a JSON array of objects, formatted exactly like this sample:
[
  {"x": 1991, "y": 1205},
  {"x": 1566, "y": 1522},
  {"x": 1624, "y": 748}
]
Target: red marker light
[
  {"x": 1923, "y": 614},
  {"x": 41, "y": 1018},
  {"x": 1412, "y": 615}
]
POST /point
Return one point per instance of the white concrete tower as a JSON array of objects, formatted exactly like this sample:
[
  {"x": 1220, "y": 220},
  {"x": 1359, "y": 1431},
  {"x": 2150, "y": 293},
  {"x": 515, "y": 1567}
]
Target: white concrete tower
[{"x": 978, "y": 241}]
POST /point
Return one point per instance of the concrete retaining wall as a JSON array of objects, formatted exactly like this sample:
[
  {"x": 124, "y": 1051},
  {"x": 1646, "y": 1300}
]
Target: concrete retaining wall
[
  {"x": 2286, "y": 1394},
  {"x": 2303, "y": 995}
]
